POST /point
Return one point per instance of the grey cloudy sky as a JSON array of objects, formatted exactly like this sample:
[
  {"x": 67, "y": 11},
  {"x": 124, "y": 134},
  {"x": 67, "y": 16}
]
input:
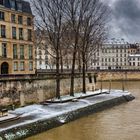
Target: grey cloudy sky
[{"x": 125, "y": 19}]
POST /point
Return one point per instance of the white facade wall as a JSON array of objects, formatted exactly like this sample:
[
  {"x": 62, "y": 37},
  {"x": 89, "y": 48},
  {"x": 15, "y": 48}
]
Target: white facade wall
[
  {"x": 41, "y": 58},
  {"x": 115, "y": 56},
  {"x": 134, "y": 60}
]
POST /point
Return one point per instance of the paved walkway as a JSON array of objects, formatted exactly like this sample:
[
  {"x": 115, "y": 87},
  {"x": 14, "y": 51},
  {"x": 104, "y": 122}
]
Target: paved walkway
[{"x": 81, "y": 95}]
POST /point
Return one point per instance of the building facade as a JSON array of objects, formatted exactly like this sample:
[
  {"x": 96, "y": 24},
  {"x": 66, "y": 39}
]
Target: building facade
[
  {"x": 113, "y": 56},
  {"x": 41, "y": 50},
  {"x": 41, "y": 56},
  {"x": 17, "y": 54}
]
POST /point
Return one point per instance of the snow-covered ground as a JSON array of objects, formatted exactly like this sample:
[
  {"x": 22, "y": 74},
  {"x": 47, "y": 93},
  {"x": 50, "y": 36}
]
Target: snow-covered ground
[
  {"x": 77, "y": 95},
  {"x": 33, "y": 113}
]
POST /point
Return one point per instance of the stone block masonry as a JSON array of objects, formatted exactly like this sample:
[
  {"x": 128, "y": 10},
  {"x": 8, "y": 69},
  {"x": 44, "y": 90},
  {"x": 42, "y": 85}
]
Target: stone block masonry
[
  {"x": 28, "y": 91},
  {"x": 31, "y": 90}
]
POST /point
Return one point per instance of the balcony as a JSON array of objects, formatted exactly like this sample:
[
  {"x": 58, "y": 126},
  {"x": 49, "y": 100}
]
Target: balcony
[
  {"x": 21, "y": 56},
  {"x": 15, "y": 57},
  {"x": 30, "y": 57},
  {"x": 3, "y": 36},
  {"x": 4, "y": 55},
  {"x": 21, "y": 38}
]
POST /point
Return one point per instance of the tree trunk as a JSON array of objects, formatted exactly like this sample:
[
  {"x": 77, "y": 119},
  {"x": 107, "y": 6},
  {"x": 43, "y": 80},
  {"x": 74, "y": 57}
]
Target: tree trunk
[
  {"x": 86, "y": 66},
  {"x": 72, "y": 73},
  {"x": 57, "y": 76},
  {"x": 61, "y": 61},
  {"x": 84, "y": 73},
  {"x": 61, "y": 64},
  {"x": 79, "y": 66}
]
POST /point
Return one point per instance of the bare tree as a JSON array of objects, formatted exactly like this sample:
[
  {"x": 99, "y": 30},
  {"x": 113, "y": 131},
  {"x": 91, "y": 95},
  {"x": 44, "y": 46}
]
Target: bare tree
[
  {"x": 84, "y": 23},
  {"x": 74, "y": 14},
  {"x": 86, "y": 19},
  {"x": 93, "y": 31},
  {"x": 50, "y": 18}
]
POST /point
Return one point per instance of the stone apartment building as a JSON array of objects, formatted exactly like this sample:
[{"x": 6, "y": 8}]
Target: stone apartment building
[
  {"x": 43, "y": 52},
  {"x": 116, "y": 56},
  {"x": 17, "y": 54}
]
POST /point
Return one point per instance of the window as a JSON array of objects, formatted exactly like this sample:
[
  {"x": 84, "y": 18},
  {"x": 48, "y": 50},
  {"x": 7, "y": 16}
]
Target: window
[
  {"x": 13, "y": 18},
  {"x": 29, "y": 21},
  {"x": 3, "y": 31},
  {"x": 40, "y": 52},
  {"x": 20, "y": 33},
  {"x": 29, "y": 34},
  {"x": 14, "y": 32},
  {"x": 22, "y": 66},
  {"x": 46, "y": 62},
  {"x": 30, "y": 52},
  {"x": 19, "y": 6},
  {"x": 1, "y": 2},
  {"x": 4, "y": 50},
  {"x": 30, "y": 66},
  {"x": 20, "y": 20},
  {"x": 2, "y": 17},
  {"x": 21, "y": 52},
  {"x": 15, "y": 66},
  {"x": 113, "y": 60},
  {"x": 13, "y": 4},
  {"x": 15, "y": 56}
]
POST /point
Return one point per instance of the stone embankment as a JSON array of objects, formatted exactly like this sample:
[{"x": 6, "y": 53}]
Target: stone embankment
[
  {"x": 119, "y": 76},
  {"x": 22, "y": 91},
  {"x": 39, "y": 118}
]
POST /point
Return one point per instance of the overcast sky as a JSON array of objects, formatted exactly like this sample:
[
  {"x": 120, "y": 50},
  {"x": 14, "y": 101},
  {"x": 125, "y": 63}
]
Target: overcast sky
[{"x": 125, "y": 20}]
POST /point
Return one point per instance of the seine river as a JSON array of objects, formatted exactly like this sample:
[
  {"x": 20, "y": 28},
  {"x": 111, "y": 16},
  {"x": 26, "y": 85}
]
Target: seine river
[{"x": 118, "y": 123}]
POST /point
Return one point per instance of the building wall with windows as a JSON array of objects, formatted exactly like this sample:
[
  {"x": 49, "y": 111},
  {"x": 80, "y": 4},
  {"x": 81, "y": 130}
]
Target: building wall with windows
[
  {"x": 17, "y": 53},
  {"x": 134, "y": 60},
  {"x": 41, "y": 57},
  {"x": 41, "y": 50},
  {"x": 116, "y": 56}
]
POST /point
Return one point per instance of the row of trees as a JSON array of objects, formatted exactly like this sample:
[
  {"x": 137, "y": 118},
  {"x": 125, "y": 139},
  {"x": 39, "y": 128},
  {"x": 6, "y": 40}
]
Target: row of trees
[{"x": 78, "y": 25}]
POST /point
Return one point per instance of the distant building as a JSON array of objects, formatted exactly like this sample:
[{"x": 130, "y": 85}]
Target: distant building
[
  {"x": 116, "y": 56},
  {"x": 17, "y": 55},
  {"x": 134, "y": 60}
]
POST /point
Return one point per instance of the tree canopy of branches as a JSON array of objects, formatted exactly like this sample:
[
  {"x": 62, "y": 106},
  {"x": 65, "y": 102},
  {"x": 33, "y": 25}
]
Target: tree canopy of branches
[{"x": 84, "y": 22}]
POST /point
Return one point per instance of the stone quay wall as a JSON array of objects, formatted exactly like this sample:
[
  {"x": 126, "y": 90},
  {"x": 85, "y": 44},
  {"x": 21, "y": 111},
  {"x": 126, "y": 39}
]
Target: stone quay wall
[
  {"x": 118, "y": 76},
  {"x": 29, "y": 91}
]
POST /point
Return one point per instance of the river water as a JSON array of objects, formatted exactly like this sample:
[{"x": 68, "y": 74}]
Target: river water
[{"x": 118, "y": 123}]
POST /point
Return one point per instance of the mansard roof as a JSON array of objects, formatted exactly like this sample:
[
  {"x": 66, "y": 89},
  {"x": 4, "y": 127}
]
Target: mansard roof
[{"x": 25, "y": 5}]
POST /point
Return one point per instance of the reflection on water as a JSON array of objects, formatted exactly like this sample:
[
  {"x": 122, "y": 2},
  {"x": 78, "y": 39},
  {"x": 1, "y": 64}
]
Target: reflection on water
[{"x": 118, "y": 123}]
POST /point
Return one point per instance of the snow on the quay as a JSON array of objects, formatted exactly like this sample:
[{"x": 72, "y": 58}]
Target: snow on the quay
[{"x": 34, "y": 113}]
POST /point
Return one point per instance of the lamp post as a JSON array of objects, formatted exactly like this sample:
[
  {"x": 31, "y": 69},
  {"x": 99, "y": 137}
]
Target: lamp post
[
  {"x": 110, "y": 82},
  {"x": 101, "y": 88},
  {"x": 123, "y": 86}
]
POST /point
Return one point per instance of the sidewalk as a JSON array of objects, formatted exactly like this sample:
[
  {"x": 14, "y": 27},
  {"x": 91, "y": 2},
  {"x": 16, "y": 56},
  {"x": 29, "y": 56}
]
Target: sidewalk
[
  {"x": 8, "y": 118},
  {"x": 67, "y": 98}
]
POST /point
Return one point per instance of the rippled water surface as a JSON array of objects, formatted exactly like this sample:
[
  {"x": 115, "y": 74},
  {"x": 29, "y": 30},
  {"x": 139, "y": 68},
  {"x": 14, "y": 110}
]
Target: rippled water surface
[{"x": 118, "y": 123}]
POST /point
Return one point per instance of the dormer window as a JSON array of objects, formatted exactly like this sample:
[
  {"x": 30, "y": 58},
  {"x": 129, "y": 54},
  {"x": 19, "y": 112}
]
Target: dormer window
[
  {"x": 19, "y": 6},
  {"x": 1, "y": 2},
  {"x": 2, "y": 15},
  {"x": 13, "y": 4}
]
